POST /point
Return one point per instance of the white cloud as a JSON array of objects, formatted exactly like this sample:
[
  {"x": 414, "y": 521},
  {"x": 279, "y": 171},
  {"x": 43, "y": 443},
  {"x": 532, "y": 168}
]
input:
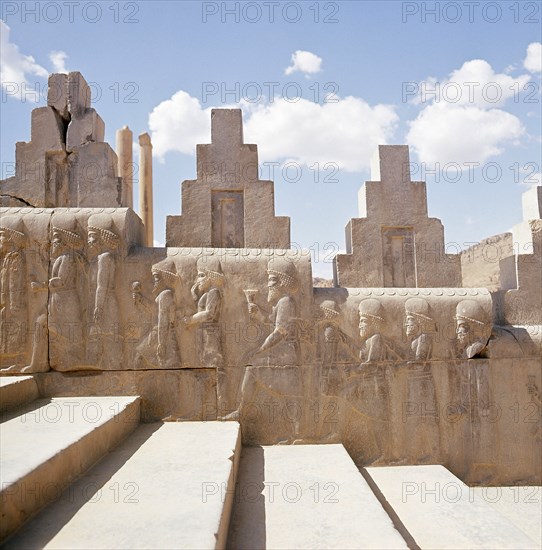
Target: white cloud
[
  {"x": 457, "y": 133},
  {"x": 304, "y": 62},
  {"x": 462, "y": 120},
  {"x": 533, "y": 59},
  {"x": 58, "y": 59},
  {"x": 475, "y": 83},
  {"x": 15, "y": 66},
  {"x": 346, "y": 132},
  {"x": 178, "y": 123}
]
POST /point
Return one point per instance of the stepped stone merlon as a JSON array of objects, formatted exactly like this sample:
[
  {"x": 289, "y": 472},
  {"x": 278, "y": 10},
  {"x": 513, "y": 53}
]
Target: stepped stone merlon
[
  {"x": 227, "y": 206},
  {"x": 394, "y": 243}
]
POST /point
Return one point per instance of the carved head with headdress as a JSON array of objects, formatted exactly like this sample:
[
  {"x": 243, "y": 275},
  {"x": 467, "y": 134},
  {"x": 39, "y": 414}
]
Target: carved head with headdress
[
  {"x": 165, "y": 274},
  {"x": 63, "y": 233},
  {"x": 11, "y": 233},
  {"x": 281, "y": 278},
  {"x": 371, "y": 317},
  {"x": 100, "y": 230},
  {"x": 418, "y": 317},
  {"x": 472, "y": 322},
  {"x": 209, "y": 273}
]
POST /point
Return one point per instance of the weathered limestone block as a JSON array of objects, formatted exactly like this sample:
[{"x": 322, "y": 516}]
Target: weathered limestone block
[
  {"x": 228, "y": 206},
  {"x": 86, "y": 128},
  {"x": 66, "y": 162},
  {"x": 93, "y": 176},
  {"x": 188, "y": 394},
  {"x": 480, "y": 264},
  {"x": 40, "y": 164},
  {"x": 79, "y": 94},
  {"x": 394, "y": 243},
  {"x": 57, "y": 94}
]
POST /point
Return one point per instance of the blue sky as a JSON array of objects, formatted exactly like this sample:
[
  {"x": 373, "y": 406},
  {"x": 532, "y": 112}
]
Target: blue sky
[{"x": 161, "y": 66}]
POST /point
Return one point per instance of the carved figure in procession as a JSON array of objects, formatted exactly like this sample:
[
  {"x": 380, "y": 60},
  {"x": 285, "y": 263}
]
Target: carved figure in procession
[
  {"x": 371, "y": 322},
  {"x": 335, "y": 346},
  {"x": 160, "y": 348},
  {"x": 105, "y": 340},
  {"x": 13, "y": 293},
  {"x": 419, "y": 329},
  {"x": 64, "y": 329},
  {"x": 66, "y": 334},
  {"x": 473, "y": 330},
  {"x": 281, "y": 346},
  {"x": 207, "y": 293}
]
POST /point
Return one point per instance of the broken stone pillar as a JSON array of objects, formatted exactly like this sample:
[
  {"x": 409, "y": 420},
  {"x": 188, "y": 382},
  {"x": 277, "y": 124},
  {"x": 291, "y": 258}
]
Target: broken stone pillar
[
  {"x": 145, "y": 186},
  {"x": 86, "y": 125},
  {"x": 66, "y": 163},
  {"x": 227, "y": 206},
  {"x": 394, "y": 243},
  {"x": 125, "y": 159}
]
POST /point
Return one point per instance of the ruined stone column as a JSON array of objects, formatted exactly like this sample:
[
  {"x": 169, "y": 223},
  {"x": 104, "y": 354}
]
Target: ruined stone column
[
  {"x": 145, "y": 186},
  {"x": 125, "y": 161}
]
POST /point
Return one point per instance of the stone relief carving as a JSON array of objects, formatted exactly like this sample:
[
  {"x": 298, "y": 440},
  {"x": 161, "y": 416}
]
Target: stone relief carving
[
  {"x": 159, "y": 348},
  {"x": 282, "y": 345},
  {"x": 472, "y": 329},
  {"x": 376, "y": 346},
  {"x": 66, "y": 284},
  {"x": 207, "y": 293},
  {"x": 419, "y": 328},
  {"x": 334, "y": 345},
  {"x": 105, "y": 345},
  {"x": 13, "y": 293}
]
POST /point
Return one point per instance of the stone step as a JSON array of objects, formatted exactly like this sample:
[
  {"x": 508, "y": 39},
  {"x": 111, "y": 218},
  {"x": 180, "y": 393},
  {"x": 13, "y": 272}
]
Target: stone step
[
  {"x": 306, "y": 496},
  {"x": 439, "y": 511},
  {"x": 16, "y": 391},
  {"x": 166, "y": 486},
  {"x": 48, "y": 443}
]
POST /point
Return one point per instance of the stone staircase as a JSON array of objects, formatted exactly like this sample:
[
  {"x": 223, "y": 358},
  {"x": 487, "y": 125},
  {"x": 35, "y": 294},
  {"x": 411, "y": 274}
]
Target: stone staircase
[{"x": 84, "y": 473}]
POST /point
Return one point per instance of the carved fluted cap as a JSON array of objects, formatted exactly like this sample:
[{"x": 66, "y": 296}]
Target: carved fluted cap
[
  {"x": 210, "y": 265},
  {"x": 471, "y": 311},
  {"x": 167, "y": 270},
  {"x": 66, "y": 225},
  {"x": 103, "y": 224},
  {"x": 421, "y": 311},
  {"x": 285, "y": 271},
  {"x": 372, "y": 309},
  {"x": 13, "y": 227},
  {"x": 330, "y": 309}
]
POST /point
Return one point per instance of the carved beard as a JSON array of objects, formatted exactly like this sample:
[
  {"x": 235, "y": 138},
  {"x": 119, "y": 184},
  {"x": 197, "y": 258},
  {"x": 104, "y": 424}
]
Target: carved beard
[
  {"x": 273, "y": 294},
  {"x": 412, "y": 331},
  {"x": 57, "y": 249},
  {"x": 464, "y": 338}
]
